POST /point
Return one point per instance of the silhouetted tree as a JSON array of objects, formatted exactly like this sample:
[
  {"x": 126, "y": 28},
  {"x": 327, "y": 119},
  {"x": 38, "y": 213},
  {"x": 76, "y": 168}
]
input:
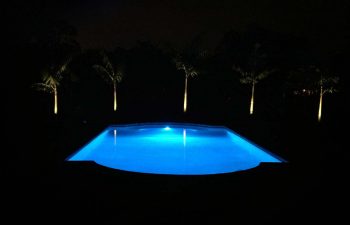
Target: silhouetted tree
[
  {"x": 51, "y": 78},
  {"x": 189, "y": 71},
  {"x": 326, "y": 84},
  {"x": 253, "y": 73},
  {"x": 189, "y": 60},
  {"x": 111, "y": 74},
  {"x": 314, "y": 81}
]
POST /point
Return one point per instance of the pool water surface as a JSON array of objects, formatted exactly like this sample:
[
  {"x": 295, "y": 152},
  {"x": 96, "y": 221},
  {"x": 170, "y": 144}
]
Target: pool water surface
[{"x": 173, "y": 148}]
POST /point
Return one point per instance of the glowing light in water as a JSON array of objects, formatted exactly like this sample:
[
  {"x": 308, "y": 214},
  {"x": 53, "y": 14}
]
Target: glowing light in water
[
  {"x": 167, "y": 128},
  {"x": 185, "y": 149},
  {"x": 184, "y": 137},
  {"x": 115, "y": 136}
]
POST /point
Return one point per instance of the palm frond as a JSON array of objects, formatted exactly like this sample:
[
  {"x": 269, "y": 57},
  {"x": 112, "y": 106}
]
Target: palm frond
[
  {"x": 43, "y": 87},
  {"x": 250, "y": 77},
  {"x": 191, "y": 71},
  {"x": 331, "y": 90},
  {"x": 106, "y": 62},
  {"x": 100, "y": 69},
  {"x": 62, "y": 68},
  {"x": 119, "y": 74},
  {"x": 264, "y": 74},
  {"x": 108, "y": 72},
  {"x": 330, "y": 80},
  {"x": 186, "y": 63},
  {"x": 328, "y": 84},
  {"x": 178, "y": 61},
  {"x": 51, "y": 79},
  {"x": 103, "y": 72},
  {"x": 180, "y": 66},
  {"x": 109, "y": 67},
  {"x": 238, "y": 69},
  {"x": 247, "y": 79}
]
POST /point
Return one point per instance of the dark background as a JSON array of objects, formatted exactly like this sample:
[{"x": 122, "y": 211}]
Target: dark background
[
  {"x": 107, "y": 24},
  {"x": 311, "y": 188}
]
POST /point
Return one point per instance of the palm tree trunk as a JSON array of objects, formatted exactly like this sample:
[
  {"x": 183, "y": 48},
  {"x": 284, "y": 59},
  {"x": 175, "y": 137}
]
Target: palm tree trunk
[
  {"x": 185, "y": 96},
  {"x": 115, "y": 96},
  {"x": 320, "y": 106},
  {"x": 252, "y": 100},
  {"x": 55, "y": 102}
]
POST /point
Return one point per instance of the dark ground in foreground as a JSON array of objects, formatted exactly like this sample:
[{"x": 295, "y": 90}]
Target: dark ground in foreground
[{"x": 41, "y": 187}]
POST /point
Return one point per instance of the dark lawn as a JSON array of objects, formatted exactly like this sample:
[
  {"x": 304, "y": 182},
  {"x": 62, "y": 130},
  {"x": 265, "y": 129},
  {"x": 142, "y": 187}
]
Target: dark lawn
[{"x": 42, "y": 187}]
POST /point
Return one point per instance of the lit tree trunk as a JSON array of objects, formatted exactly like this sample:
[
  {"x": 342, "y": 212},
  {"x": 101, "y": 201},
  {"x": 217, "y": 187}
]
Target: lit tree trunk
[
  {"x": 115, "y": 96},
  {"x": 55, "y": 103},
  {"x": 320, "y": 106},
  {"x": 185, "y": 96},
  {"x": 252, "y": 100}
]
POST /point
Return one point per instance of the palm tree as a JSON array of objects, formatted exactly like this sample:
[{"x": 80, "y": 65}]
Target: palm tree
[
  {"x": 190, "y": 59},
  {"x": 251, "y": 78},
  {"x": 254, "y": 71},
  {"x": 51, "y": 79},
  {"x": 190, "y": 71},
  {"x": 313, "y": 80},
  {"x": 111, "y": 74},
  {"x": 325, "y": 84}
]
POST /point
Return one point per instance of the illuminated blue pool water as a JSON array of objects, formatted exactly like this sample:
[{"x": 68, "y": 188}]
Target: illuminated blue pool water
[{"x": 181, "y": 149}]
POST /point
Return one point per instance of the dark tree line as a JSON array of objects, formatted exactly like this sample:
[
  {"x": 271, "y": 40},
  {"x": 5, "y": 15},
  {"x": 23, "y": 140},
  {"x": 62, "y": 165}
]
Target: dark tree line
[{"x": 154, "y": 75}]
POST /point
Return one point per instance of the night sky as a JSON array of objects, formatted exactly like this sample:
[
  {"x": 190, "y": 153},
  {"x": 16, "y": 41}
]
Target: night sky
[{"x": 107, "y": 24}]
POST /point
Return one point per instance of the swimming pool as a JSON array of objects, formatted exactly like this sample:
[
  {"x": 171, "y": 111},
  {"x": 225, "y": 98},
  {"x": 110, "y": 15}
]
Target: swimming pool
[{"x": 173, "y": 148}]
